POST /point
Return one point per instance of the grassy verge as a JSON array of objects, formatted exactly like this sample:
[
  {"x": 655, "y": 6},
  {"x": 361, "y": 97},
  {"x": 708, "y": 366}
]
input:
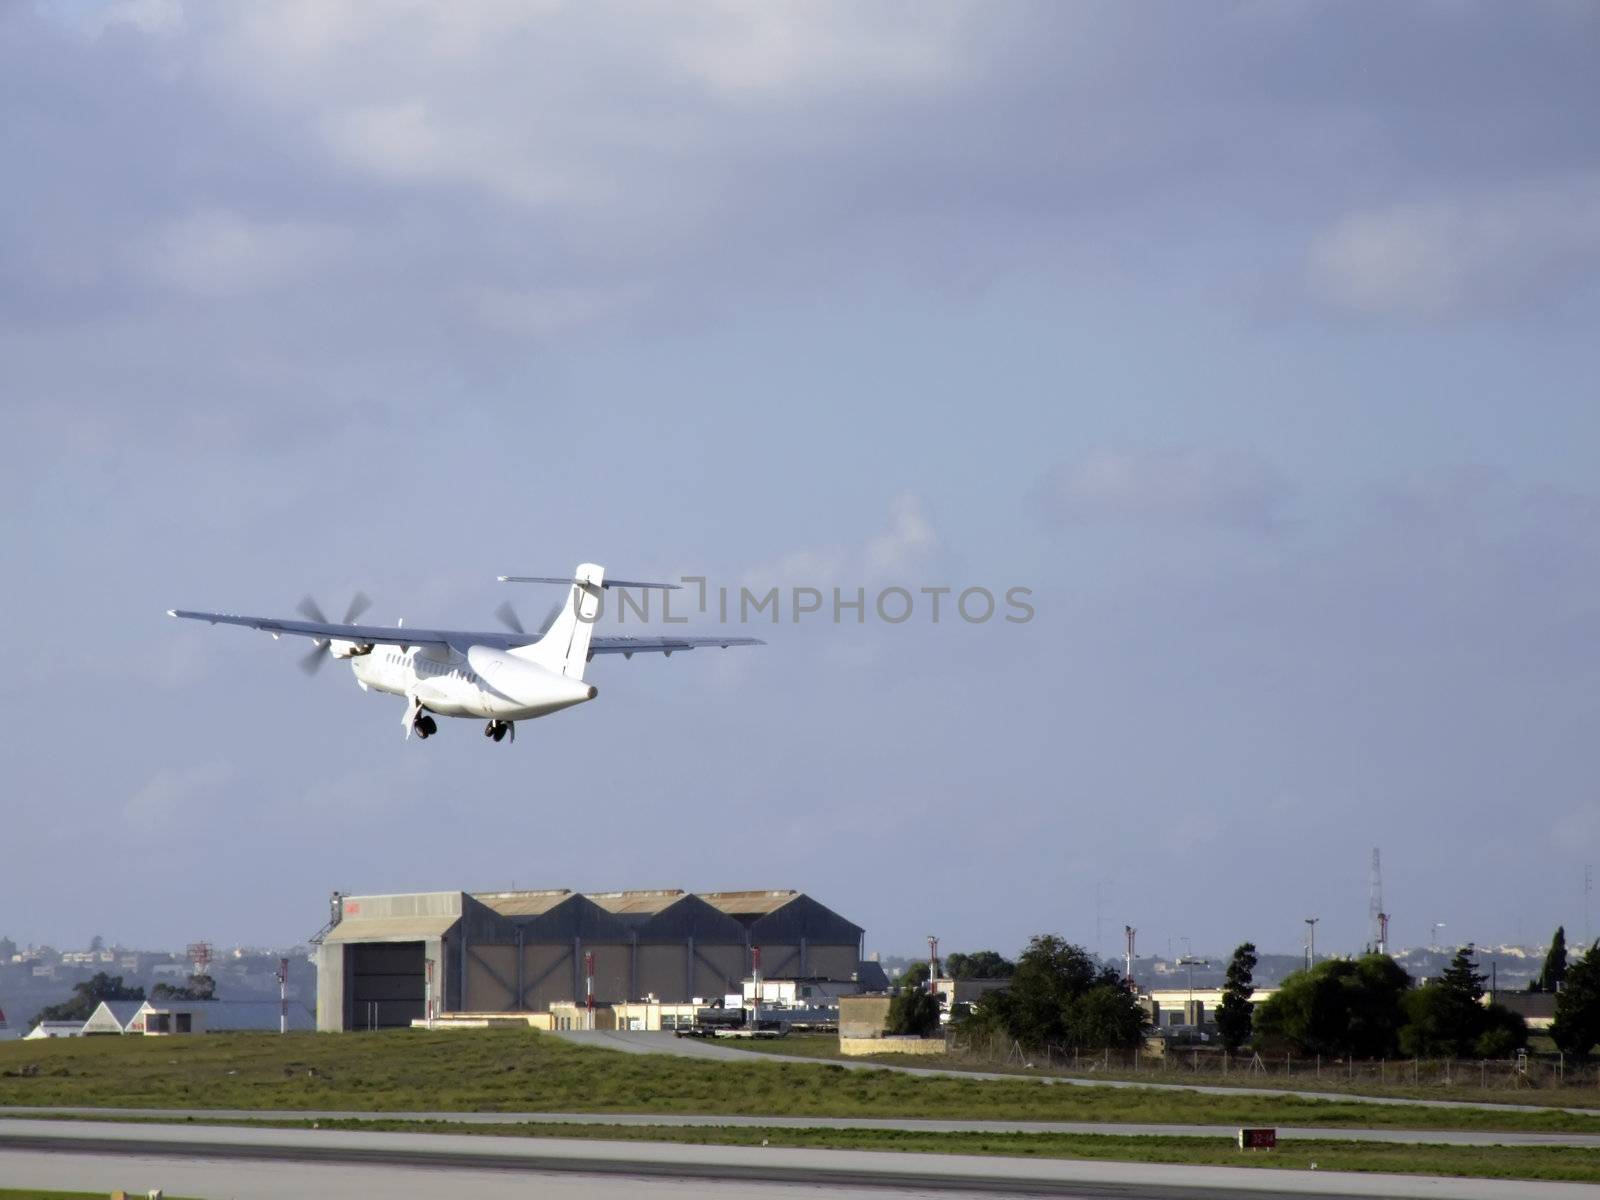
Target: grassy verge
[
  {"x": 516, "y": 1070},
  {"x": 825, "y": 1048},
  {"x": 1564, "y": 1163}
]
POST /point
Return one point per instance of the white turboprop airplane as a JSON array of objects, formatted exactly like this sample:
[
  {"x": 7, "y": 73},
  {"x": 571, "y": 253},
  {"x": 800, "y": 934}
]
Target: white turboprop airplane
[{"x": 501, "y": 678}]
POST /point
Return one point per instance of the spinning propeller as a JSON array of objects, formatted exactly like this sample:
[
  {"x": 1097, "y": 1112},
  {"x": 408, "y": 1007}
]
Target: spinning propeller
[
  {"x": 312, "y": 611},
  {"x": 509, "y": 618}
]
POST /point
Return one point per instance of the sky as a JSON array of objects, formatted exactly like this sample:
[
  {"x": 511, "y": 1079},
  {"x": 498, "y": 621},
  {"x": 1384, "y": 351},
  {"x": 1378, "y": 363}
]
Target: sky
[{"x": 1255, "y": 340}]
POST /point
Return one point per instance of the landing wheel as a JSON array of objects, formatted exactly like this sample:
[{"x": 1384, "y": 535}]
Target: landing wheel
[
  {"x": 426, "y": 726},
  {"x": 499, "y": 729}
]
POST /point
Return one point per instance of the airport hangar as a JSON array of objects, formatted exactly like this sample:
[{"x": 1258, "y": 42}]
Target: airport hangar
[{"x": 388, "y": 958}]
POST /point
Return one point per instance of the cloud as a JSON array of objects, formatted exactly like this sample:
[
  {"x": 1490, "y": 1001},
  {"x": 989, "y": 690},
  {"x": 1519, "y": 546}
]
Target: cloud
[
  {"x": 907, "y": 544},
  {"x": 411, "y": 143},
  {"x": 1166, "y": 488},
  {"x": 1460, "y": 256},
  {"x": 539, "y": 312},
  {"x": 214, "y": 252},
  {"x": 147, "y": 16},
  {"x": 821, "y": 47},
  {"x": 173, "y": 791}
]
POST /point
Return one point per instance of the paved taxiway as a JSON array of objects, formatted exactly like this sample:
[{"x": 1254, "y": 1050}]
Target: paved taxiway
[
  {"x": 258, "y": 1164},
  {"x": 641, "y": 1042}
]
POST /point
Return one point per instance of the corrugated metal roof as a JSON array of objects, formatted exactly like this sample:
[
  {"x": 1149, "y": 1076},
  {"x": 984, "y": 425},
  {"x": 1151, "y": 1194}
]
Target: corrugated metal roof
[
  {"x": 388, "y": 929},
  {"x": 523, "y": 904},
  {"x": 748, "y": 904},
  {"x": 637, "y": 902}
]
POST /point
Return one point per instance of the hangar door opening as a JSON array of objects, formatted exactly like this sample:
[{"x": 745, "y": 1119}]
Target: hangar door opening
[{"x": 388, "y": 984}]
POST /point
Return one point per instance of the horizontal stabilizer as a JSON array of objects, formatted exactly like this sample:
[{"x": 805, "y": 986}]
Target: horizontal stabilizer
[{"x": 609, "y": 583}]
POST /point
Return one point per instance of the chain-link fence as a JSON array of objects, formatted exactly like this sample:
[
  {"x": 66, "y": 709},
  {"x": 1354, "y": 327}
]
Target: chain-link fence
[{"x": 1177, "y": 1063}]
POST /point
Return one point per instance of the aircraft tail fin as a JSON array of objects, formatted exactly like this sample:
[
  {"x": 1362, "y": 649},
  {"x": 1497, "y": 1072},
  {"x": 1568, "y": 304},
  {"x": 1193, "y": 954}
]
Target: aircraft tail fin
[{"x": 564, "y": 648}]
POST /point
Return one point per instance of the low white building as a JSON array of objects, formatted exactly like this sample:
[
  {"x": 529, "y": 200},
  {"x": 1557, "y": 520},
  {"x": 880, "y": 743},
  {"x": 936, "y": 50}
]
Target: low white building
[
  {"x": 55, "y": 1029},
  {"x": 116, "y": 1016}
]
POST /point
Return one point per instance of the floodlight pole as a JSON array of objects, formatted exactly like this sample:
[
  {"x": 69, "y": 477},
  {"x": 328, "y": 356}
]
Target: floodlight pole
[
  {"x": 588, "y": 985},
  {"x": 283, "y": 995},
  {"x": 755, "y": 999},
  {"x": 1311, "y": 941}
]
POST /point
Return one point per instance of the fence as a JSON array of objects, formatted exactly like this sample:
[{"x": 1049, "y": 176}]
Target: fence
[{"x": 1178, "y": 1063}]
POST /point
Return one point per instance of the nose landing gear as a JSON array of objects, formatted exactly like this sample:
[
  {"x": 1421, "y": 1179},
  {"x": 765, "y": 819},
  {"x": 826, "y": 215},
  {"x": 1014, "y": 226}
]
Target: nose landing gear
[{"x": 500, "y": 730}]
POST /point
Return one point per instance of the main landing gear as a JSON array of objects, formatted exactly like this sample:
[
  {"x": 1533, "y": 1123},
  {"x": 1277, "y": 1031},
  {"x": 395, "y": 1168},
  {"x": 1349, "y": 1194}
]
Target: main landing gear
[
  {"x": 425, "y": 725},
  {"x": 501, "y": 730}
]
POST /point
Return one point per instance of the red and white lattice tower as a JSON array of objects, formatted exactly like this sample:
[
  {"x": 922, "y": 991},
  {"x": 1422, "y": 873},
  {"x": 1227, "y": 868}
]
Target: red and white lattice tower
[{"x": 200, "y": 956}]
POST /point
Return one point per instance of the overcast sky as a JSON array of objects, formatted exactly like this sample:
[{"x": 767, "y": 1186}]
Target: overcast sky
[{"x": 1256, "y": 338}]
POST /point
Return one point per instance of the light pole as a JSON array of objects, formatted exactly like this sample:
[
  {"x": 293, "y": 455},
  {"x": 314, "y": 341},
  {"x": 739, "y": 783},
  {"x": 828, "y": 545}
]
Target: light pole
[
  {"x": 1311, "y": 941},
  {"x": 1192, "y": 963}
]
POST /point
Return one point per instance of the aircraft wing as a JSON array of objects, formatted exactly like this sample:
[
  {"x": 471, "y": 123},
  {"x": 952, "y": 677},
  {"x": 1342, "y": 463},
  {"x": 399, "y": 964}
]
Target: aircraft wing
[
  {"x": 392, "y": 635},
  {"x": 629, "y": 646},
  {"x": 388, "y": 635}
]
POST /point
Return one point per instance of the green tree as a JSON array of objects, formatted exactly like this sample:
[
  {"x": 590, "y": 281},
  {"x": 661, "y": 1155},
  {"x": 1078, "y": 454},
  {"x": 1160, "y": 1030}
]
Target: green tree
[
  {"x": 1576, "y": 1027},
  {"x": 1058, "y": 995},
  {"x": 1235, "y": 1013},
  {"x": 914, "y": 976},
  {"x": 1555, "y": 964},
  {"x": 913, "y": 1013},
  {"x": 1050, "y": 972},
  {"x": 1337, "y": 1007},
  {"x": 1461, "y": 976},
  {"x": 1105, "y": 1015},
  {"x": 199, "y": 987},
  {"x": 1447, "y": 1018},
  {"x": 97, "y": 943},
  {"x": 7, "y": 949},
  {"x": 1504, "y": 1033},
  {"x": 86, "y": 997},
  {"x": 1437, "y": 1023},
  {"x": 980, "y": 964}
]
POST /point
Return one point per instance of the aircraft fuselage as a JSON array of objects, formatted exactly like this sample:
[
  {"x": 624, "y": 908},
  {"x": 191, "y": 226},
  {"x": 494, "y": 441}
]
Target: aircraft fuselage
[{"x": 484, "y": 683}]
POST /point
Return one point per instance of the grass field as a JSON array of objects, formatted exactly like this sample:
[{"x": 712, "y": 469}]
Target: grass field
[
  {"x": 825, "y": 1047},
  {"x": 1488, "y": 1162},
  {"x": 516, "y": 1070}
]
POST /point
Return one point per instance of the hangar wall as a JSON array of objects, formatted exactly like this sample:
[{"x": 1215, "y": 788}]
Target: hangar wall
[{"x": 526, "y": 950}]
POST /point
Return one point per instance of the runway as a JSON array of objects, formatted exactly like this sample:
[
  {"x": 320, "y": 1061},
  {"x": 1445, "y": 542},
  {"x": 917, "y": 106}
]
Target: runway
[
  {"x": 268, "y": 1164},
  {"x": 1415, "y": 1137}
]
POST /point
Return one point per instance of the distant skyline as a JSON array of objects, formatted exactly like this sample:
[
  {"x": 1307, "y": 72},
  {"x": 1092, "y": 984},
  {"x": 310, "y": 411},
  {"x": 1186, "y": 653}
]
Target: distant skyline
[{"x": 1255, "y": 339}]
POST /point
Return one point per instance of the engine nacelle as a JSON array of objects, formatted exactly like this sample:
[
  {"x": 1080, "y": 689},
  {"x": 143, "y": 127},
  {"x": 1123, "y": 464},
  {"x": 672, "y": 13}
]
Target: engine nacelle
[{"x": 343, "y": 649}]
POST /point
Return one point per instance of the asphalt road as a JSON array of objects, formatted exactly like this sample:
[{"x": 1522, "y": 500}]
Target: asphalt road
[
  {"x": 1415, "y": 1137},
  {"x": 258, "y": 1164},
  {"x": 641, "y": 1042}
]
